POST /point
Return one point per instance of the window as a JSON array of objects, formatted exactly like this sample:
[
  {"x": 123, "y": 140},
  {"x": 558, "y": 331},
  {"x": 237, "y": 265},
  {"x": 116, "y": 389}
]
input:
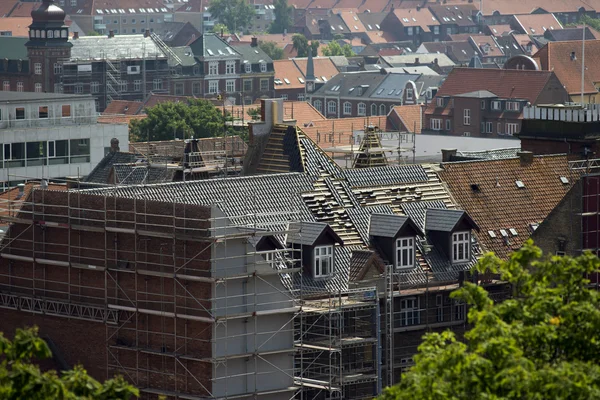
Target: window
[
  {"x": 230, "y": 86},
  {"x": 196, "y": 70},
  {"x": 512, "y": 106},
  {"x": 347, "y": 108},
  {"x": 436, "y": 30},
  {"x": 405, "y": 252},
  {"x": 461, "y": 242},
  {"x": 436, "y": 124},
  {"x": 466, "y": 116},
  {"x": 459, "y": 311},
  {"x": 409, "y": 312},
  {"x": 157, "y": 84},
  {"x": 439, "y": 102},
  {"x": 496, "y": 105},
  {"x": 409, "y": 31},
  {"x": 448, "y": 123},
  {"x": 133, "y": 20},
  {"x": 38, "y": 88},
  {"x": 43, "y": 112},
  {"x": 483, "y": 104},
  {"x": 124, "y": 20},
  {"x": 58, "y": 68},
  {"x": 213, "y": 87},
  {"x": 331, "y": 107},
  {"x": 73, "y": 3},
  {"x": 78, "y": 88},
  {"x": 196, "y": 88},
  {"x": 264, "y": 85},
  {"x": 123, "y": 86},
  {"x": 362, "y": 109},
  {"x": 80, "y": 150},
  {"x": 247, "y": 85},
  {"x": 94, "y": 87},
  {"x": 318, "y": 105},
  {"x": 230, "y": 67},
  {"x": 439, "y": 305},
  {"x": 301, "y": 97},
  {"x": 179, "y": 89},
  {"x": 373, "y": 109},
  {"x": 284, "y": 96},
  {"x": 213, "y": 68},
  {"x": 382, "y": 109},
  {"x": 323, "y": 265},
  {"x": 137, "y": 85},
  {"x": 263, "y": 67},
  {"x": 409, "y": 94},
  {"x": 488, "y": 127},
  {"x": 66, "y": 110},
  {"x": 50, "y": 34},
  {"x": 19, "y": 86},
  {"x": 248, "y": 68},
  {"x": 6, "y": 86},
  {"x": 511, "y": 129},
  {"x": 499, "y": 127},
  {"x": 20, "y": 113}
]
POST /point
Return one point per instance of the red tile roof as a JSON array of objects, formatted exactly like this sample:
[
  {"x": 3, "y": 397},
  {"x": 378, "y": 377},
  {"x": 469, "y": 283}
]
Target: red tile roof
[
  {"x": 19, "y": 26},
  {"x": 556, "y": 56},
  {"x": 411, "y": 117},
  {"x": 287, "y": 69},
  {"x": 373, "y": 6},
  {"x": 499, "y": 30},
  {"x": 537, "y": 24},
  {"x": 323, "y": 67},
  {"x": 123, "y": 107},
  {"x": 352, "y": 21},
  {"x": 119, "y": 119},
  {"x": 303, "y": 112},
  {"x": 6, "y": 6},
  {"x": 486, "y": 45},
  {"x": 11, "y": 202},
  {"x": 24, "y": 9},
  {"x": 499, "y": 203},
  {"x": 512, "y": 7},
  {"x": 422, "y": 18}
]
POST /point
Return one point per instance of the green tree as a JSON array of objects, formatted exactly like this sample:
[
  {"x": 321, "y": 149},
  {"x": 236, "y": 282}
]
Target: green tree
[
  {"x": 300, "y": 43},
  {"x": 334, "y": 49},
  {"x": 236, "y": 15},
  {"x": 283, "y": 17},
  {"x": 220, "y": 29},
  {"x": 589, "y": 21},
  {"x": 20, "y": 379},
  {"x": 276, "y": 53},
  {"x": 543, "y": 343},
  {"x": 198, "y": 118}
]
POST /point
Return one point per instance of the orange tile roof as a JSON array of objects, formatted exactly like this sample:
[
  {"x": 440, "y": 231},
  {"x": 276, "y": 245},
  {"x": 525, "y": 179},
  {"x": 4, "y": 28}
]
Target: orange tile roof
[
  {"x": 373, "y": 6},
  {"x": 380, "y": 37},
  {"x": 123, "y": 107},
  {"x": 287, "y": 69},
  {"x": 352, "y": 21},
  {"x": 6, "y": 6},
  {"x": 499, "y": 30},
  {"x": 556, "y": 56},
  {"x": 118, "y": 119},
  {"x": 24, "y": 9},
  {"x": 11, "y": 202},
  {"x": 323, "y": 67},
  {"x": 499, "y": 203},
  {"x": 303, "y": 112},
  {"x": 411, "y": 116},
  {"x": 339, "y": 131},
  {"x": 19, "y": 26},
  {"x": 483, "y": 41},
  {"x": 422, "y": 18},
  {"x": 537, "y": 24},
  {"x": 513, "y": 7}
]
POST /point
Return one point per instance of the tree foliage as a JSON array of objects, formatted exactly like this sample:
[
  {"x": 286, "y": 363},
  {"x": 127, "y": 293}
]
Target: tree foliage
[
  {"x": 543, "y": 343},
  {"x": 165, "y": 121},
  {"x": 20, "y": 379},
  {"x": 272, "y": 50},
  {"x": 334, "y": 49},
  {"x": 283, "y": 17},
  {"x": 220, "y": 29},
  {"x": 300, "y": 43},
  {"x": 589, "y": 21},
  {"x": 236, "y": 15}
]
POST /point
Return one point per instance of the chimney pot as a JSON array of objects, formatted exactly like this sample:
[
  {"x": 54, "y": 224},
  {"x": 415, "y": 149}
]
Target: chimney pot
[
  {"x": 448, "y": 154},
  {"x": 75, "y": 35},
  {"x": 147, "y": 33},
  {"x": 416, "y": 60},
  {"x": 526, "y": 157},
  {"x": 254, "y": 42},
  {"x": 111, "y": 34},
  {"x": 21, "y": 187}
]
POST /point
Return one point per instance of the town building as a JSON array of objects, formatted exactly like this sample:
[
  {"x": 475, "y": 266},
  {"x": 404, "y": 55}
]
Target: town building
[
  {"x": 49, "y": 136},
  {"x": 290, "y": 76},
  {"x": 416, "y": 25},
  {"x": 455, "y": 18},
  {"x": 488, "y": 102}
]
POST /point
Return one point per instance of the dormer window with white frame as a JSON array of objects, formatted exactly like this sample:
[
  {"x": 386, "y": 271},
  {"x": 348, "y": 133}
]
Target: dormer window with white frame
[
  {"x": 405, "y": 252},
  {"x": 248, "y": 68},
  {"x": 461, "y": 245},
  {"x": 323, "y": 262},
  {"x": 439, "y": 102},
  {"x": 263, "y": 67},
  {"x": 409, "y": 94}
]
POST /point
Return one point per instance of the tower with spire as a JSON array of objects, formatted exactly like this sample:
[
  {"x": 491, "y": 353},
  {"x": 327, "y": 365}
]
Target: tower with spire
[
  {"x": 309, "y": 78},
  {"x": 48, "y": 44}
]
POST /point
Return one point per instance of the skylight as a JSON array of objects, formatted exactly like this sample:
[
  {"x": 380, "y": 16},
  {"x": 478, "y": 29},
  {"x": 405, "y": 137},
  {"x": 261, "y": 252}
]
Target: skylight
[
  {"x": 520, "y": 184},
  {"x": 210, "y": 52},
  {"x": 301, "y": 80},
  {"x": 286, "y": 80},
  {"x": 380, "y": 91},
  {"x": 513, "y": 231},
  {"x": 492, "y": 234},
  {"x": 503, "y": 233},
  {"x": 377, "y": 26},
  {"x": 564, "y": 179}
]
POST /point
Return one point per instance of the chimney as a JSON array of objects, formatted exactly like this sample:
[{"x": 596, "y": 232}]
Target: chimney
[
  {"x": 416, "y": 60},
  {"x": 114, "y": 145},
  {"x": 526, "y": 158},
  {"x": 448, "y": 154},
  {"x": 21, "y": 187},
  {"x": 418, "y": 8},
  {"x": 75, "y": 35},
  {"x": 254, "y": 42},
  {"x": 111, "y": 34},
  {"x": 147, "y": 33},
  {"x": 44, "y": 184}
]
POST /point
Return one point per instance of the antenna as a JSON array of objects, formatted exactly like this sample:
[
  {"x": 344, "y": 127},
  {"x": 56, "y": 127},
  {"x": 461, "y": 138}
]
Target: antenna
[{"x": 582, "y": 64}]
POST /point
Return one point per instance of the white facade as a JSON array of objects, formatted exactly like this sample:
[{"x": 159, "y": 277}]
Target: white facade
[{"x": 52, "y": 136}]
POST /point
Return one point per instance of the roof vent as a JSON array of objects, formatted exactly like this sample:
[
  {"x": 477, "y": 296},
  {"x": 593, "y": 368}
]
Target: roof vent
[
  {"x": 573, "y": 56},
  {"x": 475, "y": 187}
]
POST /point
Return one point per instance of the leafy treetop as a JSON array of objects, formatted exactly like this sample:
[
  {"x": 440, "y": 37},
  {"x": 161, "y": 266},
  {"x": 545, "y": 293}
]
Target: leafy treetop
[
  {"x": 543, "y": 343},
  {"x": 271, "y": 49},
  {"x": 20, "y": 379},
  {"x": 300, "y": 43},
  {"x": 236, "y": 15},
  {"x": 283, "y": 17},
  {"x": 334, "y": 49}
]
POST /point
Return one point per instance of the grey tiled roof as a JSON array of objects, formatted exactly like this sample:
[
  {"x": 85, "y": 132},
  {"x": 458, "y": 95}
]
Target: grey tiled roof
[
  {"x": 118, "y": 47},
  {"x": 253, "y": 55},
  {"x": 305, "y": 232},
  {"x": 495, "y": 154},
  {"x": 386, "y": 225},
  {"x": 441, "y": 219},
  {"x": 101, "y": 172},
  {"x": 131, "y": 174},
  {"x": 380, "y": 176}
]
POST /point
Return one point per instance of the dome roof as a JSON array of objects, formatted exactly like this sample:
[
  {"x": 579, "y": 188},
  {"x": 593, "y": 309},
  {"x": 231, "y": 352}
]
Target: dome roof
[{"x": 48, "y": 12}]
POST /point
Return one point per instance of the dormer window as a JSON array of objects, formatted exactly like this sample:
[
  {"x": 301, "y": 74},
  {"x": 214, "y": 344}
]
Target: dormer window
[
  {"x": 439, "y": 102},
  {"x": 263, "y": 67},
  {"x": 461, "y": 243},
  {"x": 323, "y": 261},
  {"x": 248, "y": 68},
  {"x": 405, "y": 252}
]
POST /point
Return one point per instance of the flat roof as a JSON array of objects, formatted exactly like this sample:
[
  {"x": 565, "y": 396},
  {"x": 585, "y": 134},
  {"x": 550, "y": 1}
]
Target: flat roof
[{"x": 33, "y": 96}]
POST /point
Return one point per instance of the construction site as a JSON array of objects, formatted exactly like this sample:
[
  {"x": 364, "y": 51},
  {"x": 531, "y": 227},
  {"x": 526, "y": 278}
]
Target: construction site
[{"x": 207, "y": 289}]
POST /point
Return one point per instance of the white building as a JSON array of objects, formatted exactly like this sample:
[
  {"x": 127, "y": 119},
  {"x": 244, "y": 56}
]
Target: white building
[{"x": 50, "y": 135}]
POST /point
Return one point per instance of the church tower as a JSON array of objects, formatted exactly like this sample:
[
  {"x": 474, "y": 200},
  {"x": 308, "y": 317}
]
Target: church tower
[
  {"x": 310, "y": 74},
  {"x": 48, "y": 44}
]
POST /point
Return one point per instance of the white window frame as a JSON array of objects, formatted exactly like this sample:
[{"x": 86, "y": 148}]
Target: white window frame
[
  {"x": 361, "y": 109},
  {"x": 213, "y": 68},
  {"x": 213, "y": 87},
  {"x": 373, "y": 109},
  {"x": 331, "y": 107},
  {"x": 382, "y": 109},
  {"x": 284, "y": 96},
  {"x": 230, "y": 85},
  {"x": 512, "y": 106},
  {"x": 6, "y": 86},
  {"x": 483, "y": 104},
  {"x": 512, "y": 128},
  {"x": 20, "y": 86},
  {"x": 436, "y": 124},
  {"x": 137, "y": 85},
  {"x": 489, "y": 127},
  {"x": 496, "y": 105},
  {"x": 439, "y": 102},
  {"x": 196, "y": 88},
  {"x": 409, "y": 312},
  {"x": 405, "y": 252},
  {"x": 230, "y": 67},
  {"x": 409, "y": 31},
  {"x": 58, "y": 68},
  {"x": 347, "y": 108},
  {"x": 248, "y": 68},
  {"x": 318, "y": 105},
  {"x": 94, "y": 87},
  {"x": 157, "y": 84},
  {"x": 409, "y": 94},
  {"x": 264, "y": 88},
  {"x": 323, "y": 261},
  {"x": 301, "y": 97},
  {"x": 461, "y": 246},
  {"x": 448, "y": 124},
  {"x": 37, "y": 67},
  {"x": 459, "y": 311},
  {"x": 467, "y": 116},
  {"x": 263, "y": 67}
]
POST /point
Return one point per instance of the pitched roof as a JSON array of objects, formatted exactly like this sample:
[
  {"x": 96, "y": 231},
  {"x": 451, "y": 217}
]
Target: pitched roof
[
  {"x": 487, "y": 45},
  {"x": 572, "y": 33},
  {"x": 119, "y": 119},
  {"x": 117, "y": 47},
  {"x": 556, "y": 56},
  {"x": 12, "y": 200},
  {"x": 388, "y": 225},
  {"x": 123, "y": 107},
  {"x": 324, "y": 67},
  {"x": 537, "y": 24},
  {"x": 287, "y": 70},
  {"x": 422, "y": 17},
  {"x": 411, "y": 117},
  {"x": 307, "y": 233},
  {"x": 340, "y": 131},
  {"x": 444, "y": 220},
  {"x": 512, "y": 7},
  {"x": 398, "y": 61},
  {"x": 499, "y": 30},
  {"x": 352, "y": 21},
  {"x": 18, "y": 26},
  {"x": 459, "y": 52},
  {"x": 459, "y": 14},
  {"x": 496, "y": 202},
  {"x": 303, "y": 112}
]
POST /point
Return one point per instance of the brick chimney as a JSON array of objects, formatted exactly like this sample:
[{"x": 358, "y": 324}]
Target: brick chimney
[
  {"x": 147, "y": 33},
  {"x": 111, "y": 34},
  {"x": 254, "y": 42},
  {"x": 75, "y": 35},
  {"x": 526, "y": 157},
  {"x": 417, "y": 61},
  {"x": 447, "y": 154}
]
